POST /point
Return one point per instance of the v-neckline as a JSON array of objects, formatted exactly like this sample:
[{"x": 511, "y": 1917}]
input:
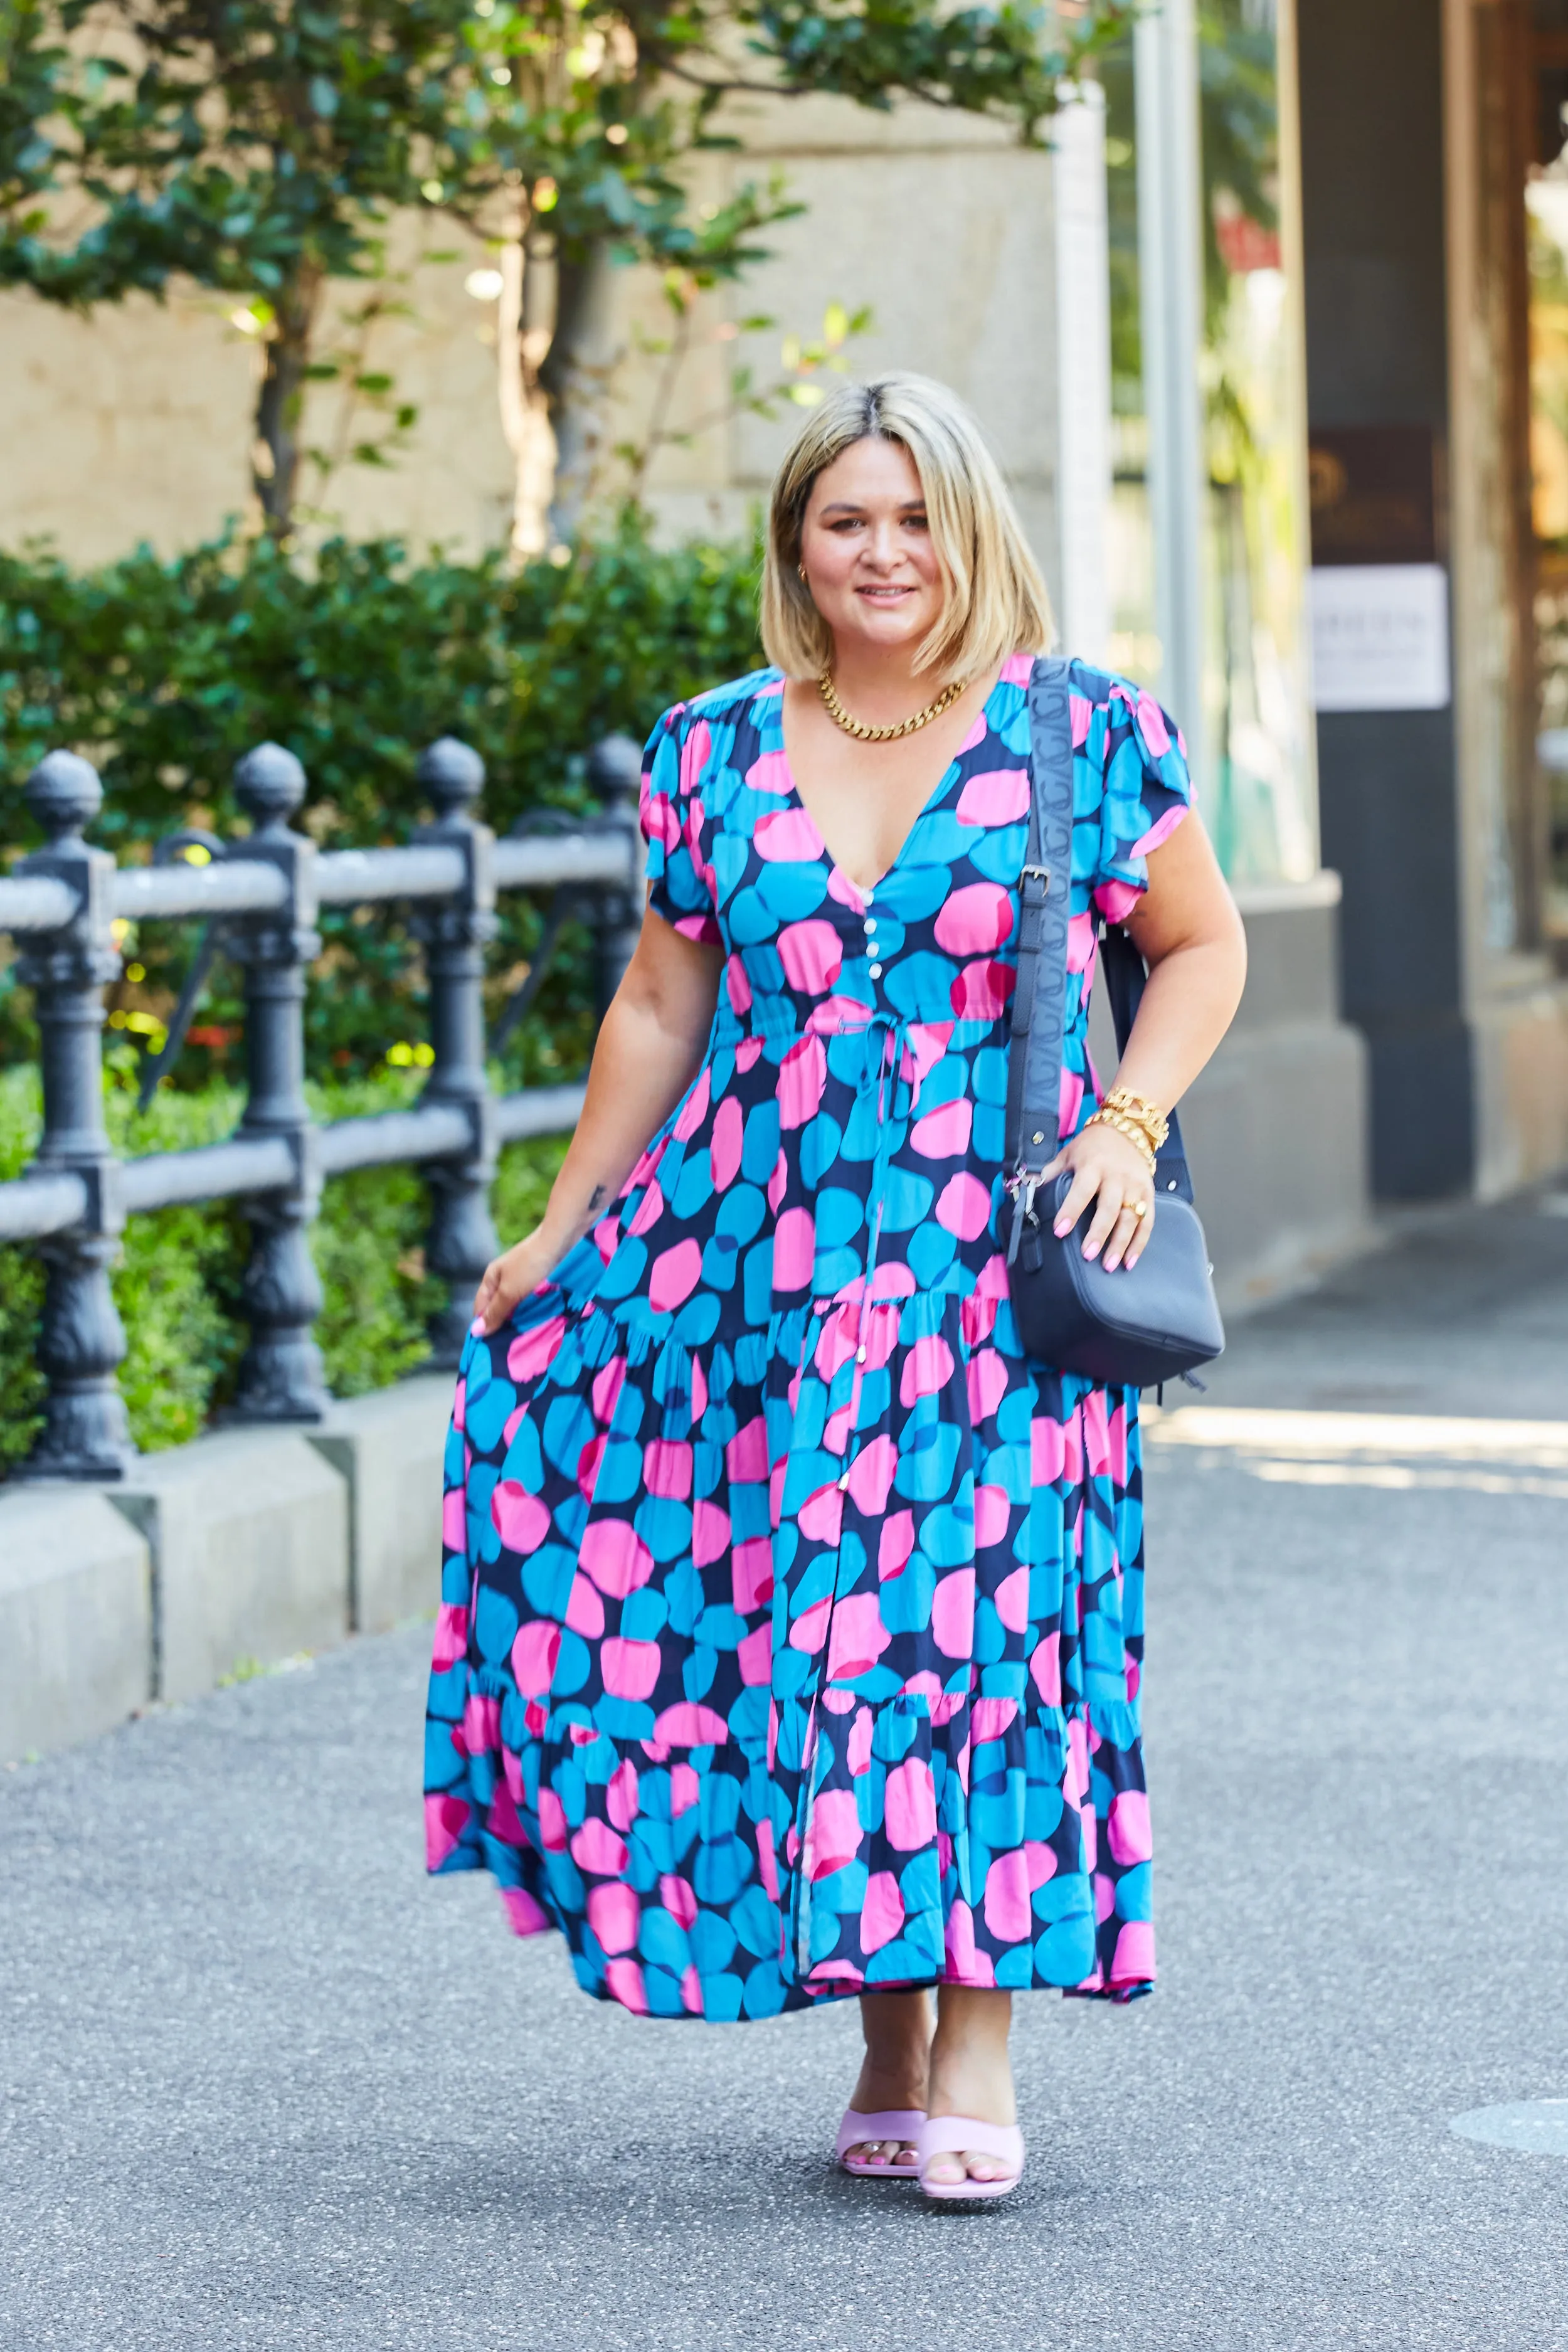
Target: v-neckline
[{"x": 865, "y": 892}]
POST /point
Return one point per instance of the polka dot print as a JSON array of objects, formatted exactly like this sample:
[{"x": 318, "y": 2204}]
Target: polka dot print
[{"x": 792, "y": 1620}]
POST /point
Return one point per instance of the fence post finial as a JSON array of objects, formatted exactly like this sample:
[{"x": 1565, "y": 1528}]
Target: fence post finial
[
  {"x": 270, "y": 785},
  {"x": 452, "y": 773},
  {"x": 65, "y": 793}
]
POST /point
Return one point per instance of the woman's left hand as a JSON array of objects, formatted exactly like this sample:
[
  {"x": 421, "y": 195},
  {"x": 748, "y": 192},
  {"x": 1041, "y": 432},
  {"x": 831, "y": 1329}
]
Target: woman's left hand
[{"x": 1111, "y": 1171}]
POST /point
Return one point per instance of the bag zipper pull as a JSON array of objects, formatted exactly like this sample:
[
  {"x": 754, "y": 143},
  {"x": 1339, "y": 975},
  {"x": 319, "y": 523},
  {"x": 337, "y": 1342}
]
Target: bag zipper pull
[{"x": 1024, "y": 1190}]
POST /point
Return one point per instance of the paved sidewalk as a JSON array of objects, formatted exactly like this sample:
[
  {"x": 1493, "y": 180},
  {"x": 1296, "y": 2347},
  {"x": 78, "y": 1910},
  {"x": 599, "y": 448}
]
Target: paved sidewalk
[
  {"x": 263, "y": 2086},
  {"x": 1461, "y": 1311}
]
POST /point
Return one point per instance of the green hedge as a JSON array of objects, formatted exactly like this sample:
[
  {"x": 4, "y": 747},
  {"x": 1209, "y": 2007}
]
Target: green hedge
[
  {"x": 177, "y": 1285},
  {"x": 163, "y": 673}
]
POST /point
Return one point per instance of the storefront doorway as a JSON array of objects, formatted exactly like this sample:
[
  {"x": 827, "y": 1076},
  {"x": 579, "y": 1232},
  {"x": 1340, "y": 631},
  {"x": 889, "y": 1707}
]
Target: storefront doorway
[{"x": 1511, "y": 361}]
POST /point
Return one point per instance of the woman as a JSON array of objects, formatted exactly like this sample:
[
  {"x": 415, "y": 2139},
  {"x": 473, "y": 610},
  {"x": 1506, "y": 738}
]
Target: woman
[{"x": 792, "y": 1629}]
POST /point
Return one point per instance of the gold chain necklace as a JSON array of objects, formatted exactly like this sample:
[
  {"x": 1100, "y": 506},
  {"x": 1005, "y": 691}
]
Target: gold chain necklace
[{"x": 864, "y": 734}]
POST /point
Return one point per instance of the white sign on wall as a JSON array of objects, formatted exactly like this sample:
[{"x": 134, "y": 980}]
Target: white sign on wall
[{"x": 1380, "y": 636}]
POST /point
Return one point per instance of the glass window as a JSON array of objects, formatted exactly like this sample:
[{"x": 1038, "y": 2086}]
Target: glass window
[
  {"x": 1546, "y": 202},
  {"x": 1260, "y": 799}
]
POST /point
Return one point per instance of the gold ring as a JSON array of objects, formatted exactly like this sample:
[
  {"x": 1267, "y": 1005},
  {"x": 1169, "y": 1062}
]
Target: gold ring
[{"x": 1140, "y": 1209}]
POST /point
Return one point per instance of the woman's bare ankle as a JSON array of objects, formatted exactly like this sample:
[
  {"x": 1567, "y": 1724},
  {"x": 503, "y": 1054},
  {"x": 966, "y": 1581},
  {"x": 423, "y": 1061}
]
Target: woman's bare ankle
[
  {"x": 896, "y": 2027},
  {"x": 892, "y": 2078},
  {"x": 971, "y": 2074}
]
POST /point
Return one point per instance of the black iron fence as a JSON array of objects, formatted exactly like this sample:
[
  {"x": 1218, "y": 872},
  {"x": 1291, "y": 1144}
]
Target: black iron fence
[{"x": 258, "y": 896}]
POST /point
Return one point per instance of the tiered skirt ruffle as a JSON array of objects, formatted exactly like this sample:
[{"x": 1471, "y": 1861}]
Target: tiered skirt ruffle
[{"x": 796, "y": 1661}]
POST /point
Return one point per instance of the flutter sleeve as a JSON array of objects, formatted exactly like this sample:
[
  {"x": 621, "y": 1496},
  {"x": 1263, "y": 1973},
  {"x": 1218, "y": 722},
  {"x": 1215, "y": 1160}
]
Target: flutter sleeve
[
  {"x": 1148, "y": 792},
  {"x": 679, "y": 886}
]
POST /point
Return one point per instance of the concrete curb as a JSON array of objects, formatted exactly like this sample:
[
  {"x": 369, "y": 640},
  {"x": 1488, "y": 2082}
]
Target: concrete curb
[
  {"x": 241, "y": 1549},
  {"x": 76, "y": 1618},
  {"x": 249, "y": 1531},
  {"x": 388, "y": 1447}
]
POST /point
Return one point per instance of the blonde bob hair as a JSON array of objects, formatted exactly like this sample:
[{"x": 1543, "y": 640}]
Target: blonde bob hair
[{"x": 996, "y": 603}]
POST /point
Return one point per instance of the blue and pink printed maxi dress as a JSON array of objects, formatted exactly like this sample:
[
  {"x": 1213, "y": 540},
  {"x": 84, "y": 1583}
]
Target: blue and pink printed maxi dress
[{"x": 792, "y": 1620}]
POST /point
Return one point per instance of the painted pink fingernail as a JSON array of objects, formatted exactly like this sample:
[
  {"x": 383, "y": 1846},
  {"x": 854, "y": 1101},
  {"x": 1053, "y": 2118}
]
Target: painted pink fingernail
[{"x": 476, "y": 1327}]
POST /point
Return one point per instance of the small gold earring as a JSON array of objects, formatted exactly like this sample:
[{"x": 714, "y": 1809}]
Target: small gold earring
[{"x": 801, "y": 569}]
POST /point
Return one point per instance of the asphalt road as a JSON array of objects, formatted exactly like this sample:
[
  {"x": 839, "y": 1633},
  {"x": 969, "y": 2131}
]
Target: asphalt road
[{"x": 265, "y": 2086}]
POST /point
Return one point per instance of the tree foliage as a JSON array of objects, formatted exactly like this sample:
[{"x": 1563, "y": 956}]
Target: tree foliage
[{"x": 264, "y": 147}]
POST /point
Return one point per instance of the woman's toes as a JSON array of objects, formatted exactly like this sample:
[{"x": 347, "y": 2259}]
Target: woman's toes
[
  {"x": 945, "y": 2168},
  {"x": 889, "y": 2155},
  {"x": 984, "y": 2167}
]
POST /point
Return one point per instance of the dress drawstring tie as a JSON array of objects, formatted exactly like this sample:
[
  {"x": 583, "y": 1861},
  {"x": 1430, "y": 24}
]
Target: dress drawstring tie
[
  {"x": 878, "y": 1084},
  {"x": 872, "y": 1083}
]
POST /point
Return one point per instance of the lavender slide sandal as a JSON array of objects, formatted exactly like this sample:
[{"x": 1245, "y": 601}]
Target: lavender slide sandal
[
  {"x": 889, "y": 2122},
  {"x": 951, "y": 2135}
]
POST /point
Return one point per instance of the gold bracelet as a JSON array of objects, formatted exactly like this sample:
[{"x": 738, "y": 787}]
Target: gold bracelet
[
  {"x": 1124, "y": 1125},
  {"x": 1133, "y": 1128},
  {"x": 1135, "y": 1134},
  {"x": 1148, "y": 1115}
]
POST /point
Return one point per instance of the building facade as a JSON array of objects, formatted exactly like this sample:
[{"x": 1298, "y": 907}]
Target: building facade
[
  {"x": 1434, "y": 235},
  {"x": 1268, "y": 384}
]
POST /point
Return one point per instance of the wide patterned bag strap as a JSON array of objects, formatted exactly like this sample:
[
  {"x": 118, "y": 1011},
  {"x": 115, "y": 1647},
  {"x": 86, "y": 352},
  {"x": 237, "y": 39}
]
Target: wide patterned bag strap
[{"x": 1039, "y": 995}]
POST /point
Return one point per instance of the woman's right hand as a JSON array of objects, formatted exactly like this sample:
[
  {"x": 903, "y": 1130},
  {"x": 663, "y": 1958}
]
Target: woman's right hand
[{"x": 512, "y": 1276}]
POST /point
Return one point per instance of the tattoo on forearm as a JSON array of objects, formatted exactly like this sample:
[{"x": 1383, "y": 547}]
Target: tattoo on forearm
[{"x": 597, "y": 1197}]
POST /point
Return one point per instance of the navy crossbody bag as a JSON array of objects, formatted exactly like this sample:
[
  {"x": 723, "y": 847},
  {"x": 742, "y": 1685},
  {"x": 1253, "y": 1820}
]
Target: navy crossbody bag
[{"x": 1140, "y": 1325}]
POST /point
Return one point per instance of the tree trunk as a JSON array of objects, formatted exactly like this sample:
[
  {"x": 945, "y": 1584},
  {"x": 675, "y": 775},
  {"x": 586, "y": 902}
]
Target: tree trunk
[
  {"x": 576, "y": 379},
  {"x": 275, "y": 459},
  {"x": 525, "y": 411}
]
